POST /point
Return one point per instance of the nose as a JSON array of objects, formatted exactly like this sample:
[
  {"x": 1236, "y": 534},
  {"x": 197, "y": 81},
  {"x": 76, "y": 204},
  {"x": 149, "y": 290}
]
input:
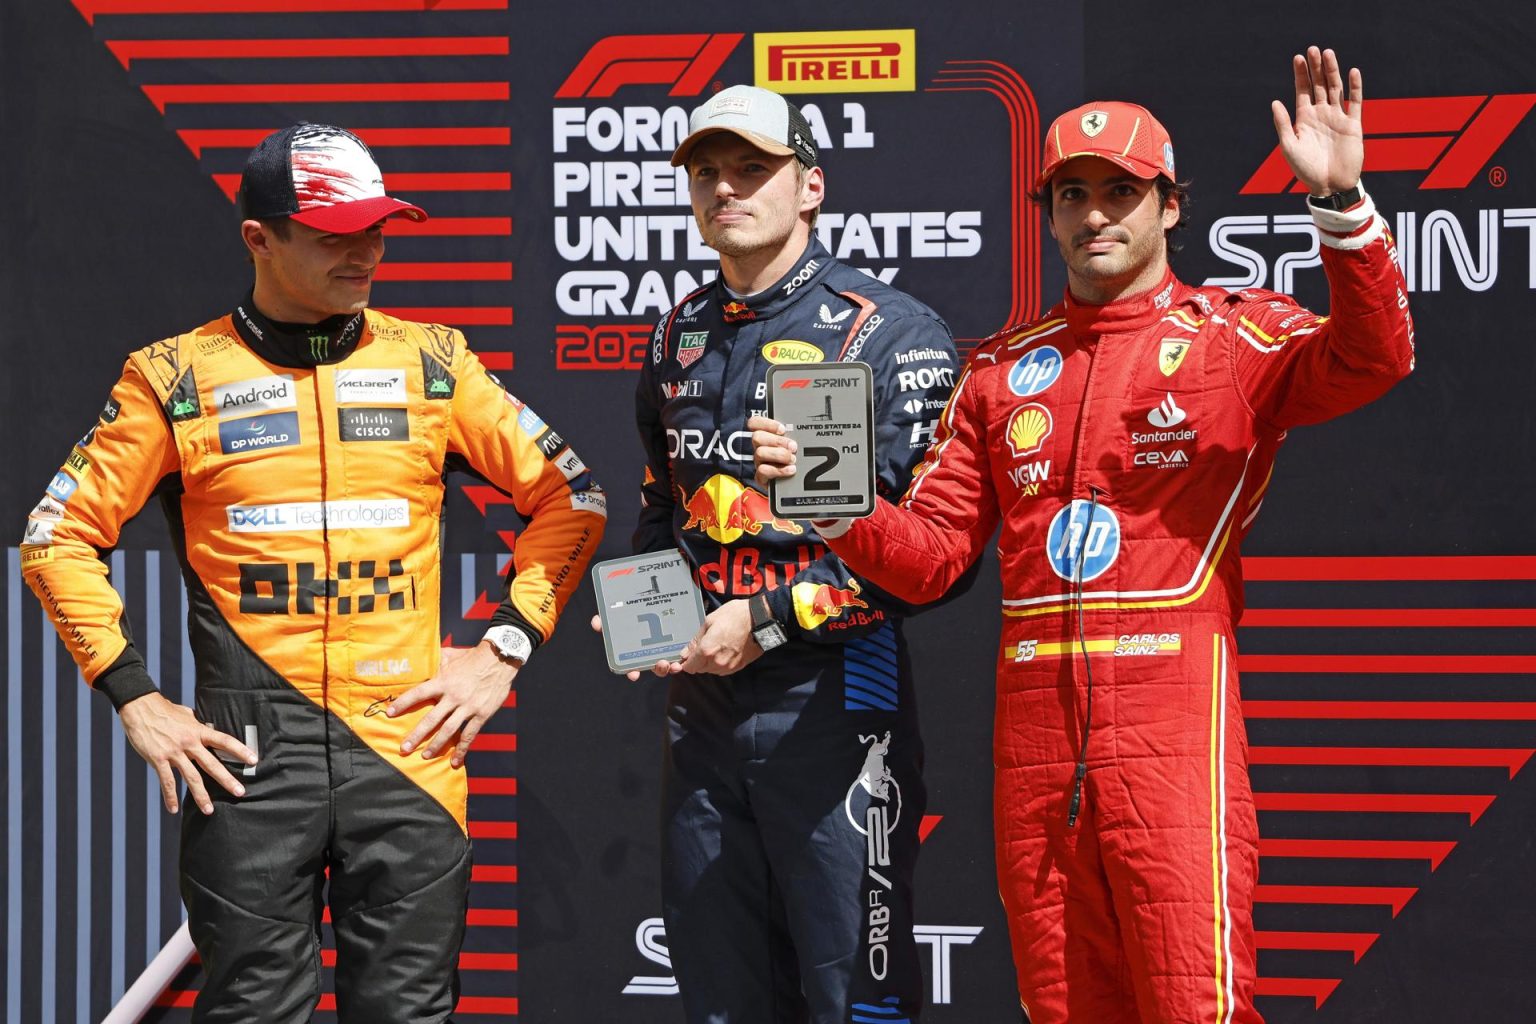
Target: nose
[
  {"x": 724, "y": 187},
  {"x": 366, "y": 248},
  {"x": 1097, "y": 219}
]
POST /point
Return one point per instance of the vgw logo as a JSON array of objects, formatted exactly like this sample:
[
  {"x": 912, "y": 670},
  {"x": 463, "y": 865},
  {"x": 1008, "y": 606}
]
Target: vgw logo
[{"x": 1455, "y": 140}]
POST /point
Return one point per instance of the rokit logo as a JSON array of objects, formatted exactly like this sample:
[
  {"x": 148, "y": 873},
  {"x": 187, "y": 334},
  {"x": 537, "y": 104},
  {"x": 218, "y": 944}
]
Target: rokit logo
[
  {"x": 623, "y": 221},
  {"x": 1452, "y": 141}
]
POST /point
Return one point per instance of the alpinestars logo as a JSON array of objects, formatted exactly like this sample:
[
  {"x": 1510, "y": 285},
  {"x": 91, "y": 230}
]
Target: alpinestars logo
[
  {"x": 686, "y": 62},
  {"x": 877, "y": 791}
]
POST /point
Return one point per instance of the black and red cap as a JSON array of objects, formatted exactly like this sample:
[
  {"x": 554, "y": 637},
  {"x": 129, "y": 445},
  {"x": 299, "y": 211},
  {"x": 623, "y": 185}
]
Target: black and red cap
[{"x": 321, "y": 176}]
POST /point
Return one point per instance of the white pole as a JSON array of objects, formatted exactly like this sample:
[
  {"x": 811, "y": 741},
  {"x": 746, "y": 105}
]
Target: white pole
[{"x": 142, "y": 994}]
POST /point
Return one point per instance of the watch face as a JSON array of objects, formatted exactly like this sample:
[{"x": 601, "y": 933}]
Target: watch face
[{"x": 768, "y": 637}]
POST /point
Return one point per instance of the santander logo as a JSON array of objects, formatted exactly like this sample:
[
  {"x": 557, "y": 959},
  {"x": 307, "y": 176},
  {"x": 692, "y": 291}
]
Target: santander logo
[{"x": 1167, "y": 414}]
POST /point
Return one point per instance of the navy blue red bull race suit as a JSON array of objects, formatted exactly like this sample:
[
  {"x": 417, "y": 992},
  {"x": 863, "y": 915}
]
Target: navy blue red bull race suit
[{"x": 792, "y": 790}]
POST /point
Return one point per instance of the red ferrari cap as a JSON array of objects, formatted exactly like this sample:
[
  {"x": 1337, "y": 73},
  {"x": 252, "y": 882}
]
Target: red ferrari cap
[{"x": 1122, "y": 133}]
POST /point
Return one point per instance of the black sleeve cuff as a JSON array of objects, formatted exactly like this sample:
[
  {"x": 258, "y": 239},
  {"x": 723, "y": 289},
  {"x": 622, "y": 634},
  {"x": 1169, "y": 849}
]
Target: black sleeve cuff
[
  {"x": 508, "y": 615},
  {"x": 125, "y": 679}
]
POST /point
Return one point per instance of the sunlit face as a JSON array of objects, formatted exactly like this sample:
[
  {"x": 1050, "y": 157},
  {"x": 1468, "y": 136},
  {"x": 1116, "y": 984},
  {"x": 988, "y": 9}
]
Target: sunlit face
[
  {"x": 1109, "y": 226},
  {"x": 313, "y": 274},
  {"x": 746, "y": 201}
]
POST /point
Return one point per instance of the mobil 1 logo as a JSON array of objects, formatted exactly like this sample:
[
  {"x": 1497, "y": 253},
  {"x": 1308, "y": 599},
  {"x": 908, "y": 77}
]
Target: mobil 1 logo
[{"x": 828, "y": 408}]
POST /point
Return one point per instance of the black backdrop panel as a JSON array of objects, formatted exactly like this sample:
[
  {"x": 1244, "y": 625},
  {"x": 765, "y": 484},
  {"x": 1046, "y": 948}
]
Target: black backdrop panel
[{"x": 1391, "y": 642}]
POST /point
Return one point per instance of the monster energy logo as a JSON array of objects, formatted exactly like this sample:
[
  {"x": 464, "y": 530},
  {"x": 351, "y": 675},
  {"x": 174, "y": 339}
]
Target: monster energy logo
[{"x": 319, "y": 345}]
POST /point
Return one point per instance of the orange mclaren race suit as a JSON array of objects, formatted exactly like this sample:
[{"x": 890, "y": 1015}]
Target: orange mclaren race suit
[
  {"x": 791, "y": 789},
  {"x": 1125, "y": 450},
  {"x": 303, "y": 480}
]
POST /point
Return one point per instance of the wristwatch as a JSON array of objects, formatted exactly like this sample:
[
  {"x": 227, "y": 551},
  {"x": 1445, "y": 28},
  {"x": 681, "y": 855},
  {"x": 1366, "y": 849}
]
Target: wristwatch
[
  {"x": 765, "y": 628},
  {"x": 1339, "y": 201},
  {"x": 511, "y": 643}
]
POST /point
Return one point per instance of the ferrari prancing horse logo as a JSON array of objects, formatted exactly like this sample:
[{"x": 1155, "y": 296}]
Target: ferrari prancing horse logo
[{"x": 1093, "y": 122}]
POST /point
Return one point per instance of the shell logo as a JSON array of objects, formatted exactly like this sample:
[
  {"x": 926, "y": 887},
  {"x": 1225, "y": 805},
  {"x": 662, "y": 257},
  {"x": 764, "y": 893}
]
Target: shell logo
[
  {"x": 792, "y": 352},
  {"x": 1028, "y": 428}
]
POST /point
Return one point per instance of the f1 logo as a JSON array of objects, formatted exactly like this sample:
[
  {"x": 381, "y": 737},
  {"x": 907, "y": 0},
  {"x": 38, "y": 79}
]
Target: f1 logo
[
  {"x": 1452, "y": 137},
  {"x": 686, "y": 62}
]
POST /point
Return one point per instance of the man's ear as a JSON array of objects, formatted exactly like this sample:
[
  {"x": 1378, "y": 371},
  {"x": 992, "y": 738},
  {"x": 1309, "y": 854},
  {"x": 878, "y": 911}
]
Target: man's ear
[
  {"x": 814, "y": 191},
  {"x": 257, "y": 242}
]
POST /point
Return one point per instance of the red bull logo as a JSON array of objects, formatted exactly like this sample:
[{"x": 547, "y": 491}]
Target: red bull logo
[
  {"x": 815, "y": 603},
  {"x": 725, "y": 508},
  {"x": 736, "y": 311}
]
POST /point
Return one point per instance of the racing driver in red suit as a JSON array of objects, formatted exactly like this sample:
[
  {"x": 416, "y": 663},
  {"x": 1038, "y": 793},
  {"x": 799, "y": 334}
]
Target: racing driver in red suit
[{"x": 1124, "y": 441}]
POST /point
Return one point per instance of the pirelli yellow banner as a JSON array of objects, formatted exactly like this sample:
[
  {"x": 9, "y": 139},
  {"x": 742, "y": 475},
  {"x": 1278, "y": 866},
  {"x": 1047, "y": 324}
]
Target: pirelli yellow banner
[{"x": 872, "y": 60}]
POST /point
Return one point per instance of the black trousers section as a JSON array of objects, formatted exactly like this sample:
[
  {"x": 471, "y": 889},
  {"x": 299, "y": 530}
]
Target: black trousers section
[
  {"x": 789, "y": 842},
  {"x": 253, "y": 875}
]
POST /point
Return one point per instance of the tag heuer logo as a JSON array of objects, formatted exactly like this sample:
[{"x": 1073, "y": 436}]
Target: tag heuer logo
[
  {"x": 691, "y": 346},
  {"x": 1093, "y": 122}
]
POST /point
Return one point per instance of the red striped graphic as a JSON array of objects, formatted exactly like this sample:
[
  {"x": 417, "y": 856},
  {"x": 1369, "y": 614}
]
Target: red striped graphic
[
  {"x": 199, "y": 139},
  {"x": 1367, "y": 849},
  {"x": 455, "y": 316},
  {"x": 496, "y": 741},
  {"x": 1407, "y": 664},
  {"x": 1401, "y": 757},
  {"x": 498, "y": 873},
  {"x": 1389, "y": 618},
  {"x": 1356, "y": 803},
  {"x": 1412, "y": 567},
  {"x": 163, "y": 96},
  {"x": 1396, "y": 897},
  {"x": 492, "y": 786},
  {"x": 1400, "y": 710},
  {"x": 451, "y": 181},
  {"x": 1316, "y": 989},
  {"x": 493, "y": 830},
  {"x": 456, "y": 226},
  {"x": 92, "y": 8},
  {"x": 479, "y": 916},
  {"x": 443, "y": 272},
  {"x": 1351, "y": 942},
  {"x": 128, "y": 50}
]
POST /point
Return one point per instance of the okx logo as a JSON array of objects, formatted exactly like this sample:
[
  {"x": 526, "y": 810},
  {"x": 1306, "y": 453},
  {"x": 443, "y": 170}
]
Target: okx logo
[
  {"x": 686, "y": 62},
  {"x": 1452, "y": 137}
]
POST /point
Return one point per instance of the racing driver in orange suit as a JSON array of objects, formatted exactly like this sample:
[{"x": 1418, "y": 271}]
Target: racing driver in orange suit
[
  {"x": 1124, "y": 442},
  {"x": 299, "y": 446}
]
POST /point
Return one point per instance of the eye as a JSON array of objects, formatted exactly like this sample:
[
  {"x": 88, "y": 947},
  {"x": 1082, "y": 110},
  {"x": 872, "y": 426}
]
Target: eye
[
  {"x": 1070, "y": 194},
  {"x": 1125, "y": 190}
]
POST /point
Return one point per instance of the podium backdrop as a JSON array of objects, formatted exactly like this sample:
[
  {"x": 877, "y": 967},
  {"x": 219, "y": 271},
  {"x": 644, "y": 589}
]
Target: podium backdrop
[{"x": 1389, "y": 648}]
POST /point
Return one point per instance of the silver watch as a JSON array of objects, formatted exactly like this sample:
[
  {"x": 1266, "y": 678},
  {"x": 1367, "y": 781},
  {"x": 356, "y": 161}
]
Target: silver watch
[{"x": 510, "y": 642}]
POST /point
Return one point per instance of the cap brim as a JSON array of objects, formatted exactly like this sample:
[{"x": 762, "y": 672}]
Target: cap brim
[
  {"x": 345, "y": 218},
  {"x": 762, "y": 142},
  {"x": 1142, "y": 170}
]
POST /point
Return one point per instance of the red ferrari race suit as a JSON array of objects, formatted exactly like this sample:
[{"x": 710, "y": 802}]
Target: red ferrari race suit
[
  {"x": 303, "y": 480},
  {"x": 1126, "y": 449}
]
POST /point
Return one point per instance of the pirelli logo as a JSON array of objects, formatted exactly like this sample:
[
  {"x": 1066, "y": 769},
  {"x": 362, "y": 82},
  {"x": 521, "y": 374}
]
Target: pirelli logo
[{"x": 869, "y": 61}]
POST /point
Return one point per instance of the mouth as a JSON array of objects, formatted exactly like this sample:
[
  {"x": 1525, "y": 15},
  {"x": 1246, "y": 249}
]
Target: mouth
[
  {"x": 1098, "y": 244},
  {"x": 361, "y": 277},
  {"x": 729, "y": 215}
]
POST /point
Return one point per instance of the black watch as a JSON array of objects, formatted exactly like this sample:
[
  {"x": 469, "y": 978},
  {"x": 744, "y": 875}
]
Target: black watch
[
  {"x": 765, "y": 628},
  {"x": 1339, "y": 201}
]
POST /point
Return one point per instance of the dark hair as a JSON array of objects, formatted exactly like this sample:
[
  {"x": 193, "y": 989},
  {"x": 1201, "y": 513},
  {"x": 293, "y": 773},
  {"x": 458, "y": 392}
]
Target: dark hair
[
  {"x": 280, "y": 227},
  {"x": 1166, "y": 187}
]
